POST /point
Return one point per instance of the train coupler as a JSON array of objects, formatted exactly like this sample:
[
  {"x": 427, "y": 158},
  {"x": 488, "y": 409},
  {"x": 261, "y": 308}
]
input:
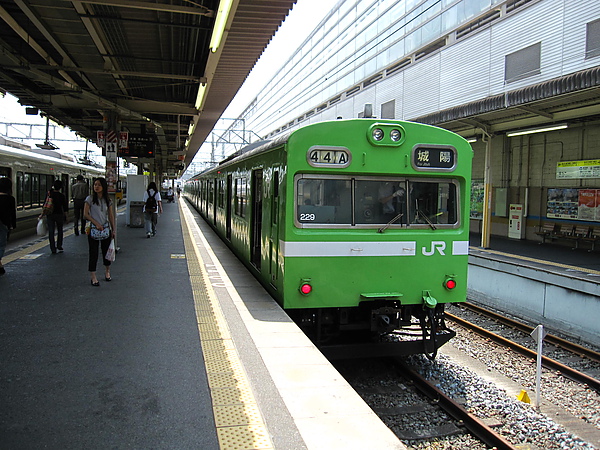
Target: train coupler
[{"x": 385, "y": 319}]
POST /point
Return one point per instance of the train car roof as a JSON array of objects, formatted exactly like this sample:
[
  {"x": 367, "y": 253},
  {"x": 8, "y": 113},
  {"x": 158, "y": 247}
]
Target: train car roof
[{"x": 33, "y": 156}]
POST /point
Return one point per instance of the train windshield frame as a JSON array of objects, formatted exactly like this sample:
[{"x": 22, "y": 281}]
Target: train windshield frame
[{"x": 351, "y": 202}]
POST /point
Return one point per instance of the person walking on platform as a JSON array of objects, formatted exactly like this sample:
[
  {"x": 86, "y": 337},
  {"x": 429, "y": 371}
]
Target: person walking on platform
[
  {"x": 8, "y": 215},
  {"x": 98, "y": 210},
  {"x": 79, "y": 192},
  {"x": 57, "y": 217},
  {"x": 152, "y": 208}
]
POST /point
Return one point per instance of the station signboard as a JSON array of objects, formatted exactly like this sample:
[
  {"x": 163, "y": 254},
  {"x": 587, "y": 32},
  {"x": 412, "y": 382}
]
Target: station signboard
[{"x": 139, "y": 146}]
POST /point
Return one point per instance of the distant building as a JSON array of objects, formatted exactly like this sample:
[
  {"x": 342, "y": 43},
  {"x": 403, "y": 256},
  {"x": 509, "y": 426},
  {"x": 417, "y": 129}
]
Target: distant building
[{"x": 518, "y": 78}]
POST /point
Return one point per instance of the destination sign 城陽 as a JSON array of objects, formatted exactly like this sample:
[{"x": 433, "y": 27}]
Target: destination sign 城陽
[{"x": 433, "y": 158}]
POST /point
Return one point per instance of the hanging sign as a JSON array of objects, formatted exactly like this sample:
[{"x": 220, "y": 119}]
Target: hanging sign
[
  {"x": 100, "y": 139},
  {"x": 123, "y": 138},
  {"x": 568, "y": 170}
]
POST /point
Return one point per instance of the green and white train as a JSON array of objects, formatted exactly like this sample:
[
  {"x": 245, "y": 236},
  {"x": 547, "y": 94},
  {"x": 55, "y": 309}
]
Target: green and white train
[{"x": 351, "y": 225}]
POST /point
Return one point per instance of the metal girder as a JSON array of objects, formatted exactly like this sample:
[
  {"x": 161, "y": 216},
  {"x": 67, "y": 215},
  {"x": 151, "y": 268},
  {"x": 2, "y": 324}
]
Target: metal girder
[{"x": 199, "y": 10}]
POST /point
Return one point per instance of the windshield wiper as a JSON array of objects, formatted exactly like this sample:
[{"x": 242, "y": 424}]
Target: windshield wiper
[
  {"x": 386, "y": 226},
  {"x": 426, "y": 219}
]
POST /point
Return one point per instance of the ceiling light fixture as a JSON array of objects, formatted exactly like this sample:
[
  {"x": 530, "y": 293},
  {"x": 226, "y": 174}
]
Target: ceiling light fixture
[
  {"x": 200, "y": 96},
  {"x": 558, "y": 126},
  {"x": 220, "y": 22}
]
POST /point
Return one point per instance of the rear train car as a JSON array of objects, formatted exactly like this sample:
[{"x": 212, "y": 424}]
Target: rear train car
[
  {"x": 354, "y": 226},
  {"x": 32, "y": 175}
]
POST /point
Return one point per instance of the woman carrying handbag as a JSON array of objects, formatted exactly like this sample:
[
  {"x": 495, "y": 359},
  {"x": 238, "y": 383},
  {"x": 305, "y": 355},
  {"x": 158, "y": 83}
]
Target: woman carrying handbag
[{"x": 98, "y": 211}]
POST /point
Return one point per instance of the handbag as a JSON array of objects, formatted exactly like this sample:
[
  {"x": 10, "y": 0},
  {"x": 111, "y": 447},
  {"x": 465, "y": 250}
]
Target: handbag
[
  {"x": 100, "y": 235},
  {"x": 48, "y": 207}
]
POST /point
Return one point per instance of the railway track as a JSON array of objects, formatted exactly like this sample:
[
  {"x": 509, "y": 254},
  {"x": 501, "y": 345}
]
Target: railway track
[
  {"x": 551, "y": 339},
  {"x": 450, "y": 417},
  {"x": 548, "y": 363}
]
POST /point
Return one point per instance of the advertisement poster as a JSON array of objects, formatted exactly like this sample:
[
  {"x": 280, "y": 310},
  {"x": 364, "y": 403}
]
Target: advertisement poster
[
  {"x": 477, "y": 197},
  {"x": 588, "y": 204},
  {"x": 577, "y": 204},
  {"x": 562, "y": 203}
]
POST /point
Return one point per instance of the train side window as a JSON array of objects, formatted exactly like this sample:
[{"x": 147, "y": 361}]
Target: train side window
[
  {"x": 36, "y": 193},
  {"x": 275, "y": 200},
  {"x": 240, "y": 196},
  {"x": 26, "y": 190},
  {"x": 19, "y": 190},
  {"x": 433, "y": 202},
  {"x": 221, "y": 193}
]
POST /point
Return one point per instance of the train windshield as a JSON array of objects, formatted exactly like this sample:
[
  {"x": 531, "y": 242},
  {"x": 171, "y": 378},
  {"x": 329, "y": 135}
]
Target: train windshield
[{"x": 375, "y": 202}]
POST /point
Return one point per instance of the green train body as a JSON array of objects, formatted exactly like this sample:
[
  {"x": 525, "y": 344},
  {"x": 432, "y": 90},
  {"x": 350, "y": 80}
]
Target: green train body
[{"x": 351, "y": 225}]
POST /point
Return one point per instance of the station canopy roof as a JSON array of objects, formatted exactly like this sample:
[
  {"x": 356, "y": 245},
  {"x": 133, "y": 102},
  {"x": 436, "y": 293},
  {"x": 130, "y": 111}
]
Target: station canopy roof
[{"x": 139, "y": 62}]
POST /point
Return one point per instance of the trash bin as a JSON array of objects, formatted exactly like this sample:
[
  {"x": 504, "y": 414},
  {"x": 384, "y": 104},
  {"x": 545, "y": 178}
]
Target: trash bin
[{"x": 136, "y": 214}]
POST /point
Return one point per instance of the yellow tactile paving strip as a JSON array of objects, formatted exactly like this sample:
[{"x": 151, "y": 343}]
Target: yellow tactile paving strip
[
  {"x": 30, "y": 249},
  {"x": 237, "y": 417},
  {"x": 539, "y": 261}
]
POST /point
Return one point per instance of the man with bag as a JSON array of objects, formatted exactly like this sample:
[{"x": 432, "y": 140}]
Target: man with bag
[
  {"x": 79, "y": 192},
  {"x": 55, "y": 209},
  {"x": 152, "y": 208}
]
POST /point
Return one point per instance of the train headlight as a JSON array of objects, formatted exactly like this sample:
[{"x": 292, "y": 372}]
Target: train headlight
[
  {"x": 305, "y": 287},
  {"x": 449, "y": 284},
  {"x": 381, "y": 134},
  {"x": 378, "y": 134}
]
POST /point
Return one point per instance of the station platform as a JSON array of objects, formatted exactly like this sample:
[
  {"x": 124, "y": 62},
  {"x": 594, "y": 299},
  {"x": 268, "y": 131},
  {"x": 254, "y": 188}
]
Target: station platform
[{"x": 182, "y": 349}]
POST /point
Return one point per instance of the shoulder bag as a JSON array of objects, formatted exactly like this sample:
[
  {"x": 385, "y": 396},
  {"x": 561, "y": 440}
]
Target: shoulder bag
[
  {"x": 100, "y": 235},
  {"x": 48, "y": 207}
]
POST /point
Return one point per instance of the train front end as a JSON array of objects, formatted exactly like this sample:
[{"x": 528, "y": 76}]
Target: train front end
[{"x": 376, "y": 238}]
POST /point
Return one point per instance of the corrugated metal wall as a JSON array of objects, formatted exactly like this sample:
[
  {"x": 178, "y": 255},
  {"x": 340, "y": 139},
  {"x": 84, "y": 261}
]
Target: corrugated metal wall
[{"x": 468, "y": 70}]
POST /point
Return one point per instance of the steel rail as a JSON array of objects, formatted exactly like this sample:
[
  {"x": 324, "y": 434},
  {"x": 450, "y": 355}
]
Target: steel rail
[
  {"x": 475, "y": 426},
  {"x": 548, "y": 363},
  {"x": 551, "y": 339}
]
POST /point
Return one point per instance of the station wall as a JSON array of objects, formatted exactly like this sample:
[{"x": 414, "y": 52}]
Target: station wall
[{"x": 526, "y": 166}]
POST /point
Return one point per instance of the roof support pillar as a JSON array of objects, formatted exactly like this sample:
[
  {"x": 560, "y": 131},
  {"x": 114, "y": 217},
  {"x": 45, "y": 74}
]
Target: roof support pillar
[{"x": 487, "y": 193}]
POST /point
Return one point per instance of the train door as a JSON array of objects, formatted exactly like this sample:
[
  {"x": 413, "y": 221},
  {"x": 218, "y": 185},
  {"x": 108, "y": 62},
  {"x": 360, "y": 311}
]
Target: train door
[
  {"x": 256, "y": 229},
  {"x": 273, "y": 235},
  {"x": 228, "y": 208},
  {"x": 66, "y": 186}
]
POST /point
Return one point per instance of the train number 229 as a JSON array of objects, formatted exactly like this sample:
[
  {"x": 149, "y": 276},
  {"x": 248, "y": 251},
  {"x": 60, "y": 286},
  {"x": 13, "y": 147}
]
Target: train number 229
[{"x": 307, "y": 217}]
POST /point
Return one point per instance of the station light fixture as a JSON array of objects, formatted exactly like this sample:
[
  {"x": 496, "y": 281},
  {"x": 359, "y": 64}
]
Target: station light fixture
[
  {"x": 558, "y": 126},
  {"x": 220, "y": 23},
  {"x": 200, "y": 96}
]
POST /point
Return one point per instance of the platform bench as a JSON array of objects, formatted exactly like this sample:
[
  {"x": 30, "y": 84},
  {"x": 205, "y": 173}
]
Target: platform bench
[
  {"x": 549, "y": 230},
  {"x": 577, "y": 234},
  {"x": 580, "y": 232},
  {"x": 592, "y": 237}
]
